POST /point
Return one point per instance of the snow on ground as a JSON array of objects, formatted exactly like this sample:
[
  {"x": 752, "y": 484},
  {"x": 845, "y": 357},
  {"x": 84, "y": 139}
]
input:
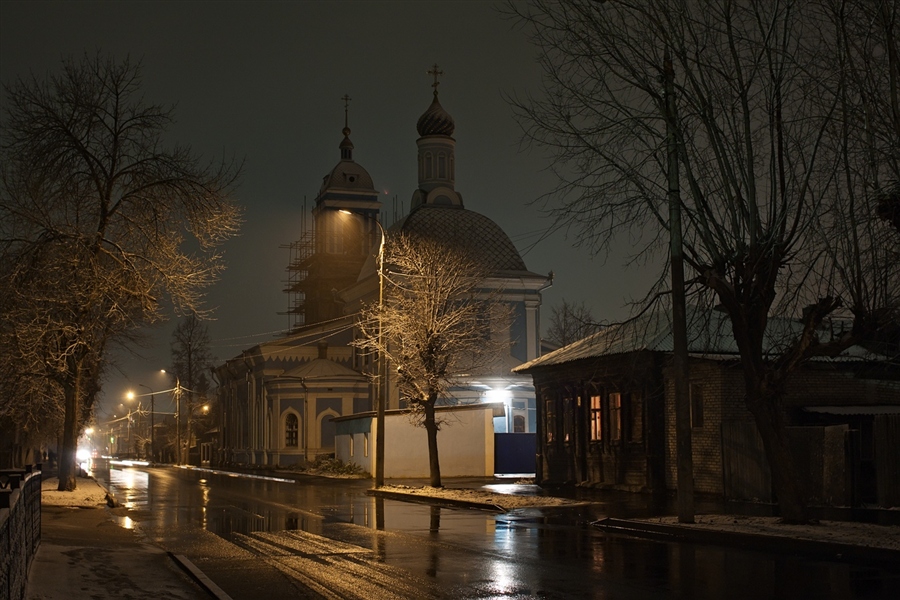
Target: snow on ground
[
  {"x": 504, "y": 501},
  {"x": 87, "y": 493},
  {"x": 857, "y": 534},
  {"x": 844, "y": 532}
]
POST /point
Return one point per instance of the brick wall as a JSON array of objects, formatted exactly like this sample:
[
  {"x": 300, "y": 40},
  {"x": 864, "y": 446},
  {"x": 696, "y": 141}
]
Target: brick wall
[
  {"x": 20, "y": 531},
  {"x": 723, "y": 391},
  {"x": 832, "y": 384}
]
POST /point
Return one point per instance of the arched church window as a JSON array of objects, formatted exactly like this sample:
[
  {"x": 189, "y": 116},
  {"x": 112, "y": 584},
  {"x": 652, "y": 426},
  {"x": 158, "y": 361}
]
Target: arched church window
[
  {"x": 291, "y": 430},
  {"x": 429, "y": 167},
  {"x": 518, "y": 423},
  {"x": 442, "y": 166},
  {"x": 452, "y": 168}
]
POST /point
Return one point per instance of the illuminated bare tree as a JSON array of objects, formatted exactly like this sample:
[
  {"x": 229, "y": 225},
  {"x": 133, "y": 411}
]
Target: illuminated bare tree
[
  {"x": 437, "y": 322},
  {"x": 784, "y": 116},
  {"x": 100, "y": 222}
]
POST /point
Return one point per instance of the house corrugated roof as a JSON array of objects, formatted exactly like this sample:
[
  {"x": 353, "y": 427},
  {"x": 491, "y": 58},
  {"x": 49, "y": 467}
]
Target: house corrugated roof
[{"x": 709, "y": 335}]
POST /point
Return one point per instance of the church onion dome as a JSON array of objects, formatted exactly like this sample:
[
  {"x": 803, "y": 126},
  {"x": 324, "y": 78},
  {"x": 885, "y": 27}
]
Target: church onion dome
[
  {"x": 472, "y": 232},
  {"x": 435, "y": 120}
]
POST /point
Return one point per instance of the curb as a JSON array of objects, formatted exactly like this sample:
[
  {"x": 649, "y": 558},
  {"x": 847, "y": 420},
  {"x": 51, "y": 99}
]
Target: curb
[
  {"x": 449, "y": 502},
  {"x": 110, "y": 497},
  {"x": 749, "y": 541},
  {"x": 199, "y": 576}
]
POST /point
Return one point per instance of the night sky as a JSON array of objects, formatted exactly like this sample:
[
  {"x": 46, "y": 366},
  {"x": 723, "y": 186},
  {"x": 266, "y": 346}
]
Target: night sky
[{"x": 263, "y": 81}]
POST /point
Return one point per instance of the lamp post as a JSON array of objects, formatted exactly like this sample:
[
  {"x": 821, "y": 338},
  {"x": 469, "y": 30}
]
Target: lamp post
[{"x": 381, "y": 394}]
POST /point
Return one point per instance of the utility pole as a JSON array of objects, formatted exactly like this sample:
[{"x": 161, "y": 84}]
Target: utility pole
[
  {"x": 178, "y": 453},
  {"x": 683, "y": 446}
]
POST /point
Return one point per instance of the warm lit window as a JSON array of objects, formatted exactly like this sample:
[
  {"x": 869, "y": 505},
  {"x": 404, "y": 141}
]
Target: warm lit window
[
  {"x": 291, "y": 430},
  {"x": 596, "y": 418},
  {"x": 351, "y": 444},
  {"x": 615, "y": 416},
  {"x": 637, "y": 417},
  {"x": 696, "y": 405},
  {"x": 366, "y": 445}
]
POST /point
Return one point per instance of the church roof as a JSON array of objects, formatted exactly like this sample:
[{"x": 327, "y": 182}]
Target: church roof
[
  {"x": 435, "y": 120},
  {"x": 321, "y": 368},
  {"x": 709, "y": 335},
  {"x": 349, "y": 176},
  {"x": 465, "y": 229}
]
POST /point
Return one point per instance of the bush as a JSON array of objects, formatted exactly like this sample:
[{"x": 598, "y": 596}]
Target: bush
[{"x": 335, "y": 466}]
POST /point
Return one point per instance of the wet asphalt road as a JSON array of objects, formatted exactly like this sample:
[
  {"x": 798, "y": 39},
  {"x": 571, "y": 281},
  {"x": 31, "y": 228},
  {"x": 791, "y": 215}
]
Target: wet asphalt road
[{"x": 316, "y": 537}]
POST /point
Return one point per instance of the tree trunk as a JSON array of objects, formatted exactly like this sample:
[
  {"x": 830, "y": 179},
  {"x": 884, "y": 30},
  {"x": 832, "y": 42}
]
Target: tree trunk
[
  {"x": 764, "y": 386},
  {"x": 67, "y": 459},
  {"x": 431, "y": 429},
  {"x": 790, "y": 492}
]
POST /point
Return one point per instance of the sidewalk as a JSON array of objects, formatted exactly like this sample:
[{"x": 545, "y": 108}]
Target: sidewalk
[{"x": 84, "y": 553}]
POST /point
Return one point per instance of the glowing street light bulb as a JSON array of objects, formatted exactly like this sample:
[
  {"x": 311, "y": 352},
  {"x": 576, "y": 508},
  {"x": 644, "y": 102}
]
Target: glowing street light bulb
[{"x": 130, "y": 395}]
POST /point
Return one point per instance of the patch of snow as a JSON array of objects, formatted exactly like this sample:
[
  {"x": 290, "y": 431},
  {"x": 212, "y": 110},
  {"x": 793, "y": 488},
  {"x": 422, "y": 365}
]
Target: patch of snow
[
  {"x": 88, "y": 493},
  {"x": 504, "y": 501},
  {"x": 844, "y": 532}
]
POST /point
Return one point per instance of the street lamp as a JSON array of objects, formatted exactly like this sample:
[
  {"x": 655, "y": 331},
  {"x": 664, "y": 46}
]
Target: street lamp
[
  {"x": 131, "y": 396},
  {"x": 381, "y": 395}
]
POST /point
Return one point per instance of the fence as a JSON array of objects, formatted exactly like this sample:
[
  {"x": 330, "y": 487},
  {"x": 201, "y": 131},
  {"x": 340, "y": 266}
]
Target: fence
[{"x": 20, "y": 527}]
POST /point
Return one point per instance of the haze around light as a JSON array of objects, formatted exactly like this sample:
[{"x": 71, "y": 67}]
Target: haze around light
[{"x": 262, "y": 82}]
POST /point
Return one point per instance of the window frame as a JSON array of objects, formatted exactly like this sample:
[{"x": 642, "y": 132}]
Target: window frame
[
  {"x": 291, "y": 431},
  {"x": 596, "y": 417},
  {"x": 615, "y": 417},
  {"x": 695, "y": 394},
  {"x": 635, "y": 418}
]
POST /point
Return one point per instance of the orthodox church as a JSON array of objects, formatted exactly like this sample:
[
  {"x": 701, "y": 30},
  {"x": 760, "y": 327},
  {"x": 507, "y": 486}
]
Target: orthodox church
[{"x": 311, "y": 393}]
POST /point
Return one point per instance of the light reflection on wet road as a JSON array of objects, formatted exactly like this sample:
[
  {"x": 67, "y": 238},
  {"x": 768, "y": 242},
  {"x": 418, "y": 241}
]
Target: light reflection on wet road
[{"x": 454, "y": 553}]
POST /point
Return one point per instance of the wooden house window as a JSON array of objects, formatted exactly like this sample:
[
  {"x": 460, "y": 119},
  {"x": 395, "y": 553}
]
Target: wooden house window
[
  {"x": 637, "y": 417},
  {"x": 551, "y": 420},
  {"x": 615, "y": 416},
  {"x": 568, "y": 419},
  {"x": 696, "y": 405},
  {"x": 291, "y": 430},
  {"x": 596, "y": 418}
]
